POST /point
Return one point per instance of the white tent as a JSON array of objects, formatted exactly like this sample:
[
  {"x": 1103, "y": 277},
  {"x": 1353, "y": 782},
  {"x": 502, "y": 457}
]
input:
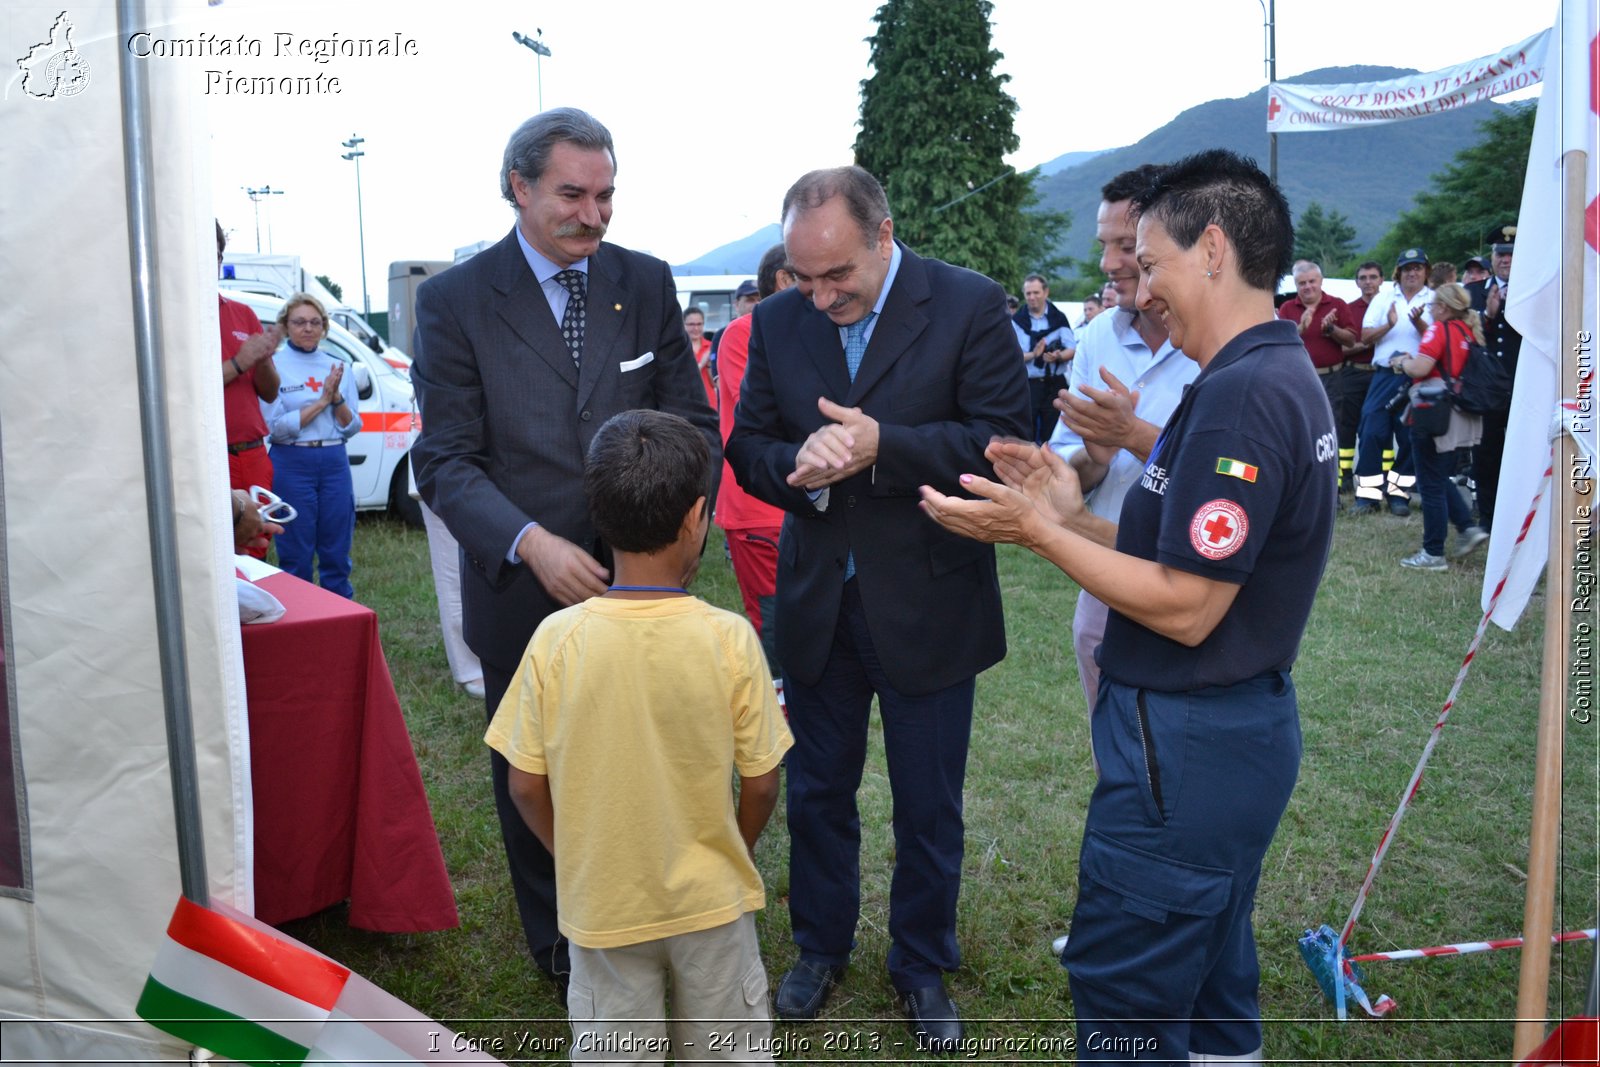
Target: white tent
[{"x": 84, "y": 689}]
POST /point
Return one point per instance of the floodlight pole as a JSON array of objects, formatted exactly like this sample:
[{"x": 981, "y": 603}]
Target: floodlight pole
[
  {"x": 256, "y": 196},
  {"x": 540, "y": 50},
  {"x": 361, "y": 225}
]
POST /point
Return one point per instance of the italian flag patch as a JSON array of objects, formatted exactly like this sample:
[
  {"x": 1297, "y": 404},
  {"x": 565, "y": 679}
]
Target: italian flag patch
[{"x": 1237, "y": 468}]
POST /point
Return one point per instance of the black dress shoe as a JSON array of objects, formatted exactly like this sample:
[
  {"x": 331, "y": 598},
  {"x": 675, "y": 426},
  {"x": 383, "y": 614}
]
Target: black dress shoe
[
  {"x": 933, "y": 1018},
  {"x": 1364, "y": 507},
  {"x": 805, "y": 989}
]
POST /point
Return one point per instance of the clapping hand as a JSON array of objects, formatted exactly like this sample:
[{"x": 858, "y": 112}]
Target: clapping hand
[
  {"x": 1037, "y": 490},
  {"x": 837, "y": 450},
  {"x": 330, "y": 384}
]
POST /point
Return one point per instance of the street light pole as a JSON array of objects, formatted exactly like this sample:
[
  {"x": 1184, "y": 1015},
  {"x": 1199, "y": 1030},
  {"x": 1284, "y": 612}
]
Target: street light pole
[
  {"x": 540, "y": 50},
  {"x": 256, "y": 196},
  {"x": 1269, "y": 12},
  {"x": 361, "y": 225}
]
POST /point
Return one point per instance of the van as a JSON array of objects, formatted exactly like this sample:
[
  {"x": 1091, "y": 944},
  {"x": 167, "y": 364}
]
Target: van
[
  {"x": 380, "y": 453},
  {"x": 712, "y": 294}
]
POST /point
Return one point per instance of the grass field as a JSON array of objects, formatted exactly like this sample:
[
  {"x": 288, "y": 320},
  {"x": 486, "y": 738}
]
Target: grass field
[{"x": 1381, "y": 652}]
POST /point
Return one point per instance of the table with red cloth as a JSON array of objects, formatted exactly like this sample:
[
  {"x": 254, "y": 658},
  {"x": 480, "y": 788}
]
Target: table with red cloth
[{"x": 340, "y": 812}]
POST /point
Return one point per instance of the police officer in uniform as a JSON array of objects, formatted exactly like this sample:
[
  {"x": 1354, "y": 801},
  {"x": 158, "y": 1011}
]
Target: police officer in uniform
[{"x": 1504, "y": 343}]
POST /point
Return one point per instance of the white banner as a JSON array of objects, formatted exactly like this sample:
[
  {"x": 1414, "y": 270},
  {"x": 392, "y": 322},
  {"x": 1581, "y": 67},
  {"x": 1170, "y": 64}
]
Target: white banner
[{"x": 1294, "y": 108}]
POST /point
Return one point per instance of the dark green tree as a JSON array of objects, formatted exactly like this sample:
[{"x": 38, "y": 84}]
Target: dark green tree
[
  {"x": 1477, "y": 193},
  {"x": 332, "y": 286},
  {"x": 1326, "y": 238},
  {"x": 936, "y": 125}
]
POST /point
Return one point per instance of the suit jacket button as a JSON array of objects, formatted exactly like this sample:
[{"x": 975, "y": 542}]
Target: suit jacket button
[
  {"x": 586, "y": 416},
  {"x": 850, "y": 501}
]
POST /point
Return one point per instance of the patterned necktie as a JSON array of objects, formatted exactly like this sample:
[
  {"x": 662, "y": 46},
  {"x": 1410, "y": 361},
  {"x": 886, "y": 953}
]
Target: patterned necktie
[
  {"x": 855, "y": 342},
  {"x": 572, "y": 321},
  {"x": 855, "y": 346}
]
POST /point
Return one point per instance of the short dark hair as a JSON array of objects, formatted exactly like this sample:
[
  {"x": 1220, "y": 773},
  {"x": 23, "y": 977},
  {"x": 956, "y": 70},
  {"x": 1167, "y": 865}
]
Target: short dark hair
[
  {"x": 774, "y": 260},
  {"x": 222, "y": 238},
  {"x": 1130, "y": 183},
  {"x": 644, "y": 471},
  {"x": 863, "y": 196},
  {"x": 1371, "y": 264},
  {"x": 694, "y": 309},
  {"x": 1222, "y": 188},
  {"x": 528, "y": 150},
  {"x": 1040, "y": 278},
  {"x": 1093, "y": 298}
]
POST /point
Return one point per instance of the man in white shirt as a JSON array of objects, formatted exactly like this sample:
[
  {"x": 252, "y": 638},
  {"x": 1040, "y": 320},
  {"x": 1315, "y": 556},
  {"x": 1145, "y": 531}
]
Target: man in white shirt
[
  {"x": 1394, "y": 323},
  {"x": 1126, "y": 380}
]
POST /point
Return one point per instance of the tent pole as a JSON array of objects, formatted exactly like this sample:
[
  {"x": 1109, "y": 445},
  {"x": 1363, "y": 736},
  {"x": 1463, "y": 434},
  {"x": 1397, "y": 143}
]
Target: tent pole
[
  {"x": 1533, "y": 986},
  {"x": 149, "y": 346}
]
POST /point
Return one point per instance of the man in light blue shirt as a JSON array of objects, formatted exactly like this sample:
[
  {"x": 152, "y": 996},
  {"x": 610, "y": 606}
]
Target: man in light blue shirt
[{"x": 1126, "y": 380}]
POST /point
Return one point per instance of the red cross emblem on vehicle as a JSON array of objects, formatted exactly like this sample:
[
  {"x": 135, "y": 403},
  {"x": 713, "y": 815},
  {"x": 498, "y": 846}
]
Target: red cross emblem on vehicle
[{"x": 1219, "y": 529}]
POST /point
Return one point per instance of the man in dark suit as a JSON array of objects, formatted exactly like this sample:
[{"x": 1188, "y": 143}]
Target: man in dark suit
[
  {"x": 879, "y": 372},
  {"x": 1503, "y": 342},
  {"x": 522, "y": 353}
]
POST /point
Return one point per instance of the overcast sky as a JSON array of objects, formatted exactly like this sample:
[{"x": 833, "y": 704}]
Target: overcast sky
[{"x": 715, "y": 106}]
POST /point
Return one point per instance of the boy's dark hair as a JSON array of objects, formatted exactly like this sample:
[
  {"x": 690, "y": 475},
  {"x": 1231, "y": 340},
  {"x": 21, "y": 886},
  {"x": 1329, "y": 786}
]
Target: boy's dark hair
[
  {"x": 644, "y": 471},
  {"x": 1224, "y": 188}
]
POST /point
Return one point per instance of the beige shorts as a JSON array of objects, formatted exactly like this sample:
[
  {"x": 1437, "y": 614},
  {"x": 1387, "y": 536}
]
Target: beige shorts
[{"x": 716, "y": 983}]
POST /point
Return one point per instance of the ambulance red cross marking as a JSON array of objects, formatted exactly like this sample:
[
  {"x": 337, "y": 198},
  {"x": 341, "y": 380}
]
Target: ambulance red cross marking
[{"x": 1218, "y": 529}]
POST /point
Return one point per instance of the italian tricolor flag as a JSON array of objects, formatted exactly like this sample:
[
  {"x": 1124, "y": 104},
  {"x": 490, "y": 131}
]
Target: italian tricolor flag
[
  {"x": 241, "y": 989},
  {"x": 1237, "y": 468}
]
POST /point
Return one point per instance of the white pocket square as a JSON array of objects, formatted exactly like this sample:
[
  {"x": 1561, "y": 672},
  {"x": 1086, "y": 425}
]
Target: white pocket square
[{"x": 634, "y": 364}]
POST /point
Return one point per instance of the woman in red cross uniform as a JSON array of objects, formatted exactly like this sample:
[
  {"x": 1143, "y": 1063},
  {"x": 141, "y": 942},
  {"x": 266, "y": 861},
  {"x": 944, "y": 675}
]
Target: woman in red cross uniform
[
  {"x": 310, "y": 422},
  {"x": 1210, "y": 578}
]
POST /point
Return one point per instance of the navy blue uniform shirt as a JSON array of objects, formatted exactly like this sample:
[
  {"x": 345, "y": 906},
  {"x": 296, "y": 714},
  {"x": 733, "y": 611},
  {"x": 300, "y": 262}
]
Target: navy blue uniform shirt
[{"x": 1241, "y": 487}]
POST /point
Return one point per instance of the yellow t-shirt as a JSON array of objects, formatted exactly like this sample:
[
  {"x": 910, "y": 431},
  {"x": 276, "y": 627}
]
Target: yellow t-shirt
[{"x": 640, "y": 711}]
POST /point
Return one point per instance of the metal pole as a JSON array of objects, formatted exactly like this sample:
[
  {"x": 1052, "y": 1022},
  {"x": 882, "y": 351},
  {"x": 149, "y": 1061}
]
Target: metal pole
[
  {"x": 540, "y": 50},
  {"x": 361, "y": 225},
  {"x": 1272, "y": 77},
  {"x": 256, "y": 196},
  {"x": 148, "y": 348}
]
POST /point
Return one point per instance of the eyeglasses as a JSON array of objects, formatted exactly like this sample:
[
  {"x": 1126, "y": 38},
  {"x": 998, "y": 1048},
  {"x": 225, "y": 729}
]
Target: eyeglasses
[{"x": 301, "y": 324}]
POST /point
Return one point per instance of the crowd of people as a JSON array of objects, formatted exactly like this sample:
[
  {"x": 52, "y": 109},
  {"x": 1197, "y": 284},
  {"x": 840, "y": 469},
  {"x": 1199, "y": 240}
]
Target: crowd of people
[{"x": 877, "y": 421}]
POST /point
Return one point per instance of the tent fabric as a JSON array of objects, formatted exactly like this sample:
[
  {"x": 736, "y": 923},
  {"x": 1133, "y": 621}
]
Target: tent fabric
[{"x": 85, "y": 674}]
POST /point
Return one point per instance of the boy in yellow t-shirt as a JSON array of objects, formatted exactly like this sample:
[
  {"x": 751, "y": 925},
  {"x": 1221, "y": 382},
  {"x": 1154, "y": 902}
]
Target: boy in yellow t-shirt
[{"x": 623, "y": 727}]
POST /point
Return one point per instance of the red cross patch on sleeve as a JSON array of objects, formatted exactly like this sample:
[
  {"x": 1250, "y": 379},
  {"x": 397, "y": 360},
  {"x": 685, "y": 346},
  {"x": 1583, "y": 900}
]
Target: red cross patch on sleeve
[{"x": 1219, "y": 529}]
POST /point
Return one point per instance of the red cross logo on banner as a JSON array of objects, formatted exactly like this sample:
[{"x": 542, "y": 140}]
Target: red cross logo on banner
[
  {"x": 1273, "y": 107},
  {"x": 1219, "y": 529},
  {"x": 312, "y": 384}
]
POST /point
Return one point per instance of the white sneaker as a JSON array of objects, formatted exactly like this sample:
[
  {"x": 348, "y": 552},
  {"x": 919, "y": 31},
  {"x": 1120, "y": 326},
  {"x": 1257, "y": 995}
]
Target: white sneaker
[
  {"x": 1058, "y": 946},
  {"x": 1425, "y": 561},
  {"x": 1467, "y": 540},
  {"x": 474, "y": 688}
]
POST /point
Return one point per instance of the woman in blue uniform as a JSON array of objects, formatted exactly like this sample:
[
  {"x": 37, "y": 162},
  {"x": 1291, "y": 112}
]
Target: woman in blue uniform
[
  {"x": 310, "y": 422},
  {"x": 1210, "y": 577}
]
